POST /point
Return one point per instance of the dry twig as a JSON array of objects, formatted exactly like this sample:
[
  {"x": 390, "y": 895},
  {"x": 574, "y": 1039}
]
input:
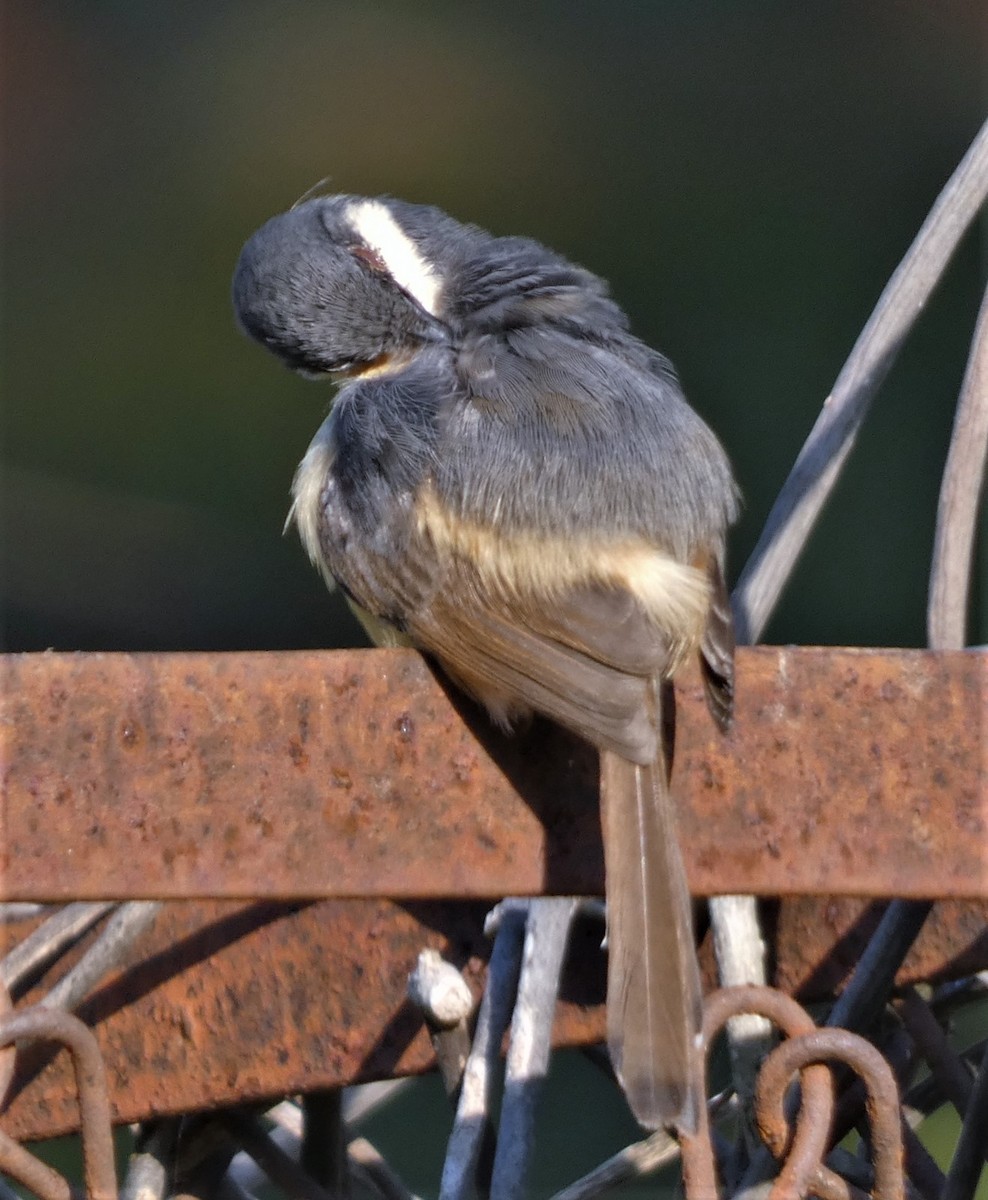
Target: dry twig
[
  {"x": 370, "y": 1168},
  {"x": 441, "y": 993},
  {"x": 633, "y": 1162},
  {"x": 152, "y": 1165},
  {"x": 965, "y": 1169}
]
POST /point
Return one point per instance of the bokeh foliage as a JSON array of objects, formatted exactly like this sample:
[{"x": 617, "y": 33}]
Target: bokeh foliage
[{"x": 747, "y": 175}]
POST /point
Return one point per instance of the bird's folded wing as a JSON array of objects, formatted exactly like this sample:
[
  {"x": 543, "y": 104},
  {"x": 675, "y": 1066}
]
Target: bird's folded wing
[{"x": 582, "y": 658}]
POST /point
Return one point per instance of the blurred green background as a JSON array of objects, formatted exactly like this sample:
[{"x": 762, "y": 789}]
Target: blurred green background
[{"x": 747, "y": 176}]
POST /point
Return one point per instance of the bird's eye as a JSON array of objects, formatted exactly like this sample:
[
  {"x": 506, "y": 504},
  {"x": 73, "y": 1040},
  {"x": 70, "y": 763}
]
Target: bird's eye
[{"x": 370, "y": 258}]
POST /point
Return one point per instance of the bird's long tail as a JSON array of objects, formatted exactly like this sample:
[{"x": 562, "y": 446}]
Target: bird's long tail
[{"x": 653, "y": 982}]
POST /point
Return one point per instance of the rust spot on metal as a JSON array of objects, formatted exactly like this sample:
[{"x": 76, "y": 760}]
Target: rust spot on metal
[
  {"x": 224, "y": 1002},
  {"x": 294, "y": 776},
  {"x": 818, "y": 941},
  {"x": 130, "y": 735},
  {"x": 852, "y": 772}
]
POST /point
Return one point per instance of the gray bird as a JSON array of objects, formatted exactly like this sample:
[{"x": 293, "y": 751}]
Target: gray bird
[{"x": 511, "y": 481}]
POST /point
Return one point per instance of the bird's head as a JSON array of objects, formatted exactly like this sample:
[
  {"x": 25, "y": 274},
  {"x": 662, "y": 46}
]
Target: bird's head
[{"x": 341, "y": 284}]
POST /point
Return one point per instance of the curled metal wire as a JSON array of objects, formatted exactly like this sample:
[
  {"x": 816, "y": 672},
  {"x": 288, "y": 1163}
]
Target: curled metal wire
[
  {"x": 800, "y": 1145},
  {"x": 808, "y": 1142},
  {"x": 827, "y": 1045},
  {"x": 40, "y": 1023}
]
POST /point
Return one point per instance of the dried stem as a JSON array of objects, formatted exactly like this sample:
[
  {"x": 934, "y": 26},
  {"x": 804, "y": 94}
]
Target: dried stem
[
  {"x": 927, "y": 1095},
  {"x": 276, "y": 1163},
  {"x": 633, "y": 1162},
  {"x": 370, "y": 1168},
  {"x": 441, "y": 993},
  {"x": 865, "y": 996},
  {"x": 740, "y": 952},
  {"x": 322, "y": 1152},
  {"x": 932, "y": 1042},
  {"x": 152, "y": 1165}
]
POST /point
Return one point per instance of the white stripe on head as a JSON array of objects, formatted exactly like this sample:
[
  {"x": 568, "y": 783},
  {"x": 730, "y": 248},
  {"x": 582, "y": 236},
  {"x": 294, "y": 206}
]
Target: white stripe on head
[{"x": 373, "y": 223}]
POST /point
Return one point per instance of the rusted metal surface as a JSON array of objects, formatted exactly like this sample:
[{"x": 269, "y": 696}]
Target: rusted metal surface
[
  {"x": 222, "y": 1001},
  {"x": 355, "y": 774},
  {"x": 818, "y": 940}
]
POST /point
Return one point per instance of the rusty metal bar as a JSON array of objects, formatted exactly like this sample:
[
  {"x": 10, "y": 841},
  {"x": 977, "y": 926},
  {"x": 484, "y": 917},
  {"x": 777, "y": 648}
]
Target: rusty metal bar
[
  {"x": 354, "y": 773},
  {"x": 819, "y": 940},
  {"x": 187, "y": 772},
  {"x": 260, "y": 1000},
  {"x": 224, "y": 1003}
]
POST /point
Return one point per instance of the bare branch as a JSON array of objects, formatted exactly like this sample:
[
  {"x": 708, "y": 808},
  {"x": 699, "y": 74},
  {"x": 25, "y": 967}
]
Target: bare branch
[
  {"x": 279, "y": 1166},
  {"x": 441, "y": 993},
  {"x": 962, "y": 1178},
  {"x": 439, "y": 990},
  {"x": 930, "y": 1039},
  {"x": 152, "y": 1165},
  {"x": 370, "y": 1168},
  {"x": 322, "y": 1151},
  {"x": 366, "y": 1098},
  {"x": 740, "y": 952},
  {"x": 865, "y": 996}
]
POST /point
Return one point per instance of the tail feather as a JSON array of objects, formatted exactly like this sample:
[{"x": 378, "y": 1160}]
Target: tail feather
[
  {"x": 717, "y": 650},
  {"x": 653, "y": 982}
]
